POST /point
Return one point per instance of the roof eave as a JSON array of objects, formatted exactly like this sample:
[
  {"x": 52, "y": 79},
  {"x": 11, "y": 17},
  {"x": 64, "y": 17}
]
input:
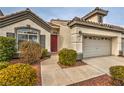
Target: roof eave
[
  {"x": 22, "y": 15},
  {"x": 91, "y": 25},
  {"x": 102, "y": 12}
]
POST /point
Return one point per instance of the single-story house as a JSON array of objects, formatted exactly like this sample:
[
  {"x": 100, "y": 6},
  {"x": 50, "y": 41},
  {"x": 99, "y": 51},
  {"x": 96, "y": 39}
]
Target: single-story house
[{"x": 88, "y": 35}]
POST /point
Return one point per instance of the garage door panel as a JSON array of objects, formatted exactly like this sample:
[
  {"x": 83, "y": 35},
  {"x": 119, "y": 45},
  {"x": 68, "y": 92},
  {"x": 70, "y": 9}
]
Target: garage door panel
[{"x": 96, "y": 47}]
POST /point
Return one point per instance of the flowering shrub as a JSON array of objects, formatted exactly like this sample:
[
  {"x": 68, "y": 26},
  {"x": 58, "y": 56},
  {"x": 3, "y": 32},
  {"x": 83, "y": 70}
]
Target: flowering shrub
[
  {"x": 4, "y": 65},
  {"x": 18, "y": 75}
]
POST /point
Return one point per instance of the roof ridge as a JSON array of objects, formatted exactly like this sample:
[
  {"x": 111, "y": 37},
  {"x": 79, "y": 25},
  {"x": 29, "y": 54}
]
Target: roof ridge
[
  {"x": 104, "y": 24},
  {"x": 13, "y": 13},
  {"x": 26, "y": 12},
  {"x": 96, "y": 9},
  {"x": 76, "y": 19},
  {"x": 27, "y": 9},
  {"x": 53, "y": 24},
  {"x": 60, "y": 20}
]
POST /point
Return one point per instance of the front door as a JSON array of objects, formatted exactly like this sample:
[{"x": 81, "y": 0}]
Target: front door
[{"x": 53, "y": 43}]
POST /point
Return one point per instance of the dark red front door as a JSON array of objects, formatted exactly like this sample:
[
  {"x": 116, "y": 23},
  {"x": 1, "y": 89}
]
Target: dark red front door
[{"x": 53, "y": 43}]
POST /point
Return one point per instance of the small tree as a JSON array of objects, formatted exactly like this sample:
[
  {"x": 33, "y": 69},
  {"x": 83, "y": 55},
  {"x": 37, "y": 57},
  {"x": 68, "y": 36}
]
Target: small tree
[
  {"x": 30, "y": 52},
  {"x": 7, "y": 48}
]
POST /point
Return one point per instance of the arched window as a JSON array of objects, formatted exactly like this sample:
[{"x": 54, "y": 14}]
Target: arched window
[{"x": 27, "y": 34}]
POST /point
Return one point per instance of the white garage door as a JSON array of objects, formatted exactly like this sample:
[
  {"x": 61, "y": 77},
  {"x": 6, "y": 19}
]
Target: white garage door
[{"x": 96, "y": 46}]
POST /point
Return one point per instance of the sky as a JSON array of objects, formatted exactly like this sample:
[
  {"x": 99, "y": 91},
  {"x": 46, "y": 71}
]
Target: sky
[{"x": 115, "y": 15}]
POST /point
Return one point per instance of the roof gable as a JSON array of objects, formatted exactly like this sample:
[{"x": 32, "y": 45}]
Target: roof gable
[
  {"x": 97, "y": 10},
  {"x": 23, "y": 15}
]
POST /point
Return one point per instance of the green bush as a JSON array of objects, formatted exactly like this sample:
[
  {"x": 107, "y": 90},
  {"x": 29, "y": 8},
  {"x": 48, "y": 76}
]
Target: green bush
[
  {"x": 18, "y": 75},
  {"x": 117, "y": 73},
  {"x": 67, "y": 56},
  {"x": 7, "y": 48},
  {"x": 45, "y": 53},
  {"x": 30, "y": 52},
  {"x": 3, "y": 65}
]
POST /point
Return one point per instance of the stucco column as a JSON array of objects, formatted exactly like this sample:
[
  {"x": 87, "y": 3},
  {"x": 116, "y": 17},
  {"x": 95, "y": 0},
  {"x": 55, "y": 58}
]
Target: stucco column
[
  {"x": 119, "y": 44},
  {"x": 116, "y": 45},
  {"x": 77, "y": 42}
]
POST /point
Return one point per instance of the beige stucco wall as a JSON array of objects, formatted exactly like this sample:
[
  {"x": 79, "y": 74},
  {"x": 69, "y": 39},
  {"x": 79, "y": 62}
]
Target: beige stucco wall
[
  {"x": 77, "y": 40},
  {"x": 64, "y": 37},
  {"x": 69, "y": 37},
  {"x": 114, "y": 45},
  {"x": 93, "y": 18},
  {"x": 11, "y": 28}
]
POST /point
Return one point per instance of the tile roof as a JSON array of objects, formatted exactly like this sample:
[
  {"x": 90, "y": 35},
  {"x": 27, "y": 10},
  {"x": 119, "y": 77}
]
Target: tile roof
[
  {"x": 53, "y": 25},
  {"x": 76, "y": 20},
  {"x": 22, "y": 15},
  {"x": 96, "y": 10},
  {"x": 81, "y": 21},
  {"x": 60, "y": 20}
]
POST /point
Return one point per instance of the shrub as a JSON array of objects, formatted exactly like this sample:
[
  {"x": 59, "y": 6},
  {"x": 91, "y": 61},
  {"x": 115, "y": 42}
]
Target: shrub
[
  {"x": 7, "y": 48},
  {"x": 30, "y": 52},
  {"x": 117, "y": 73},
  {"x": 18, "y": 75},
  {"x": 3, "y": 65},
  {"x": 67, "y": 56},
  {"x": 45, "y": 53}
]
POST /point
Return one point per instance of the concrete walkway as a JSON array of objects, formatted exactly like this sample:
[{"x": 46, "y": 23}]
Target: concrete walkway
[
  {"x": 53, "y": 75},
  {"x": 104, "y": 63}
]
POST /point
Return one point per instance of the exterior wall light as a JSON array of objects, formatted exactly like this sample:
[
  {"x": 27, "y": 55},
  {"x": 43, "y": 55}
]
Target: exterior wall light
[{"x": 80, "y": 33}]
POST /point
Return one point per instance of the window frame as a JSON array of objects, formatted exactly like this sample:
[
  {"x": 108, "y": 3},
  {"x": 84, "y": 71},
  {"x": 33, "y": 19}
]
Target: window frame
[
  {"x": 100, "y": 19},
  {"x": 28, "y": 34}
]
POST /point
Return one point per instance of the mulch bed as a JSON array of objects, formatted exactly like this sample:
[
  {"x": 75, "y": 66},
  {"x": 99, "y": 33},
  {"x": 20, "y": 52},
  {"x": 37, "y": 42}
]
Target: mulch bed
[
  {"x": 78, "y": 63},
  {"x": 103, "y": 80},
  {"x": 44, "y": 59},
  {"x": 36, "y": 66}
]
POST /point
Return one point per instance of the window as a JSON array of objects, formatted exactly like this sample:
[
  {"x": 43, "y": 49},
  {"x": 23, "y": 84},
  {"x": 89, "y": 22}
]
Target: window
[
  {"x": 10, "y": 34},
  {"x": 100, "y": 19},
  {"x": 27, "y": 34}
]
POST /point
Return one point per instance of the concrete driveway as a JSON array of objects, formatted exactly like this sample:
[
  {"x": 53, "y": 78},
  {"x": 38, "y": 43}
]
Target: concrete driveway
[
  {"x": 53, "y": 75},
  {"x": 104, "y": 63}
]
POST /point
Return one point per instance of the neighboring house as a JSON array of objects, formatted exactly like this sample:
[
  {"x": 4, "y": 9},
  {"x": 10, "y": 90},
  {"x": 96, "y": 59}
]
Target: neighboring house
[{"x": 88, "y": 35}]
